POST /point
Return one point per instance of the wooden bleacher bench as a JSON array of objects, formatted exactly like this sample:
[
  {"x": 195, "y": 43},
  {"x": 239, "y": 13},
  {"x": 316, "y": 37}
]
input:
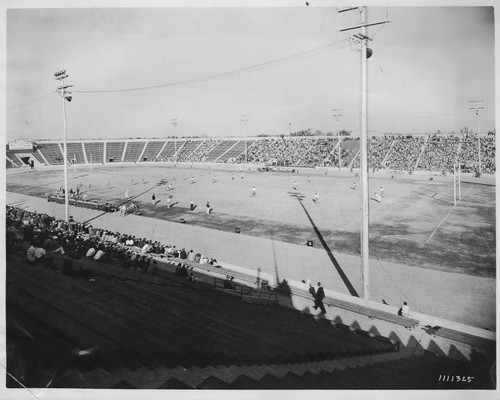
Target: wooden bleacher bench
[
  {"x": 408, "y": 323},
  {"x": 463, "y": 337}
]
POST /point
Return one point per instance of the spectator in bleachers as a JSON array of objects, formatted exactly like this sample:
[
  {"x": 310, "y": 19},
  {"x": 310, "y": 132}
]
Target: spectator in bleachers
[{"x": 404, "y": 153}]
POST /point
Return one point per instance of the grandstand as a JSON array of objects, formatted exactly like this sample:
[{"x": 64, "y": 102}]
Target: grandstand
[
  {"x": 114, "y": 151},
  {"x": 130, "y": 329},
  {"x": 427, "y": 153},
  {"x": 133, "y": 151},
  {"x": 75, "y": 153},
  {"x": 222, "y": 147},
  {"x": 199, "y": 153},
  {"x": 236, "y": 151},
  {"x": 94, "y": 151},
  {"x": 153, "y": 148},
  {"x": 52, "y": 152},
  {"x": 187, "y": 149},
  {"x": 404, "y": 153}
]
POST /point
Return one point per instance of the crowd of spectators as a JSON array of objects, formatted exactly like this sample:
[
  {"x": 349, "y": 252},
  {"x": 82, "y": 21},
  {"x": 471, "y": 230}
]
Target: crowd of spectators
[
  {"x": 488, "y": 151},
  {"x": 440, "y": 154},
  {"x": 43, "y": 238},
  {"x": 279, "y": 151},
  {"x": 404, "y": 153},
  {"x": 377, "y": 150},
  {"x": 320, "y": 153}
]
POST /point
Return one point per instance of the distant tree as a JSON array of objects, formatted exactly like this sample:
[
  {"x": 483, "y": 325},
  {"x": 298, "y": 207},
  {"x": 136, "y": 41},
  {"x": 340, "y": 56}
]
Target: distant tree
[{"x": 343, "y": 132}]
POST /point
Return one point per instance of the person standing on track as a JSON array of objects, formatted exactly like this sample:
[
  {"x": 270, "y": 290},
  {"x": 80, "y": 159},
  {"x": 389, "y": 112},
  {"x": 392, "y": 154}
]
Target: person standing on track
[
  {"x": 316, "y": 198},
  {"x": 126, "y": 197},
  {"x": 381, "y": 190},
  {"x": 153, "y": 199},
  {"x": 295, "y": 185},
  {"x": 254, "y": 192}
]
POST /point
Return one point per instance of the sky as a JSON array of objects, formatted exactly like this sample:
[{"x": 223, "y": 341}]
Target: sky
[{"x": 427, "y": 64}]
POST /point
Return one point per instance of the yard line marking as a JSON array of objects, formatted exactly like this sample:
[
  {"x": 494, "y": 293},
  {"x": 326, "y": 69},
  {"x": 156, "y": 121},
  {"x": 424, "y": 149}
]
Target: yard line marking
[{"x": 446, "y": 216}]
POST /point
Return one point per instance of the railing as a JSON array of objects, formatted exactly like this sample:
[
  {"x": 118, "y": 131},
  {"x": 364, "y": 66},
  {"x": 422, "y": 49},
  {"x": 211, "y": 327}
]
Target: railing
[{"x": 244, "y": 291}]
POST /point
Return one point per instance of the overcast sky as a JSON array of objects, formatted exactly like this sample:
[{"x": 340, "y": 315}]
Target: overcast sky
[{"x": 427, "y": 63}]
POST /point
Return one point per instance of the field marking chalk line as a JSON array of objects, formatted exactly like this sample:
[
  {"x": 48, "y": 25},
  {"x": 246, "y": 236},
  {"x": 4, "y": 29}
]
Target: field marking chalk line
[{"x": 446, "y": 216}]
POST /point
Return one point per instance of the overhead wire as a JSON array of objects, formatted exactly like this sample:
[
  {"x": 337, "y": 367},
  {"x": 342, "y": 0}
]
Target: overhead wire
[
  {"x": 33, "y": 101},
  {"x": 269, "y": 64}
]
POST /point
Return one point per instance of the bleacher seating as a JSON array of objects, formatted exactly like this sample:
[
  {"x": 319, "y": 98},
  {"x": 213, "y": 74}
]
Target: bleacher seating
[
  {"x": 94, "y": 151},
  {"x": 152, "y": 149},
  {"x": 75, "y": 151},
  {"x": 404, "y": 153},
  {"x": 320, "y": 155},
  {"x": 235, "y": 152},
  {"x": 377, "y": 150},
  {"x": 114, "y": 151},
  {"x": 52, "y": 153},
  {"x": 170, "y": 149},
  {"x": 349, "y": 148},
  {"x": 13, "y": 159},
  {"x": 488, "y": 154},
  {"x": 199, "y": 153},
  {"x": 189, "y": 146},
  {"x": 38, "y": 156},
  {"x": 133, "y": 151},
  {"x": 440, "y": 154},
  {"x": 136, "y": 321},
  {"x": 219, "y": 149}
]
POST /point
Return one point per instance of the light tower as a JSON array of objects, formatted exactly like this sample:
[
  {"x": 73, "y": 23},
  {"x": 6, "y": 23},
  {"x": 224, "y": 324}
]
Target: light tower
[
  {"x": 337, "y": 113},
  {"x": 244, "y": 119},
  {"x": 66, "y": 95},
  {"x": 173, "y": 122}
]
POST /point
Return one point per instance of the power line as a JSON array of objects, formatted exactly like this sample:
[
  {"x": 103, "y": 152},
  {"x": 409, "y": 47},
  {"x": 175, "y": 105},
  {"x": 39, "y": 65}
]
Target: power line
[
  {"x": 422, "y": 116},
  {"x": 280, "y": 61},
  {"x": 33, "y": 101}
]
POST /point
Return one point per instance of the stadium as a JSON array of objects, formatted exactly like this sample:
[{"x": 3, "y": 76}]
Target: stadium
[{"x": 197, "y": 262}]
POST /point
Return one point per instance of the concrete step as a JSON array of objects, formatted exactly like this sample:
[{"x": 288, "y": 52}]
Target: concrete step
[{"x": 99, "y": 378}]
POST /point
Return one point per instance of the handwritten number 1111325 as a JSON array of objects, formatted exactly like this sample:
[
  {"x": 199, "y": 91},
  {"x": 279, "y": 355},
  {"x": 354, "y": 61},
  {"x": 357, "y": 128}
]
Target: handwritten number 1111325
[{"x": 455, "y": 378}]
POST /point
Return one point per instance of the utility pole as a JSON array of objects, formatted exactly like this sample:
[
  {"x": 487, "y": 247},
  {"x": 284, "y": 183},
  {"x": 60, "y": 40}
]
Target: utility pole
[
  {"x": 337, "y": 113},
  {"x": 365, "y": 53},
  {"x": 364, "y": 158},
  {"x": 65, "y": 94},
  {"x": 174, "y": 124},
  {"x": 244, "y": 119},
  {"x": 476, "y": 106},
  {"x": 289, "y": 129}
]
